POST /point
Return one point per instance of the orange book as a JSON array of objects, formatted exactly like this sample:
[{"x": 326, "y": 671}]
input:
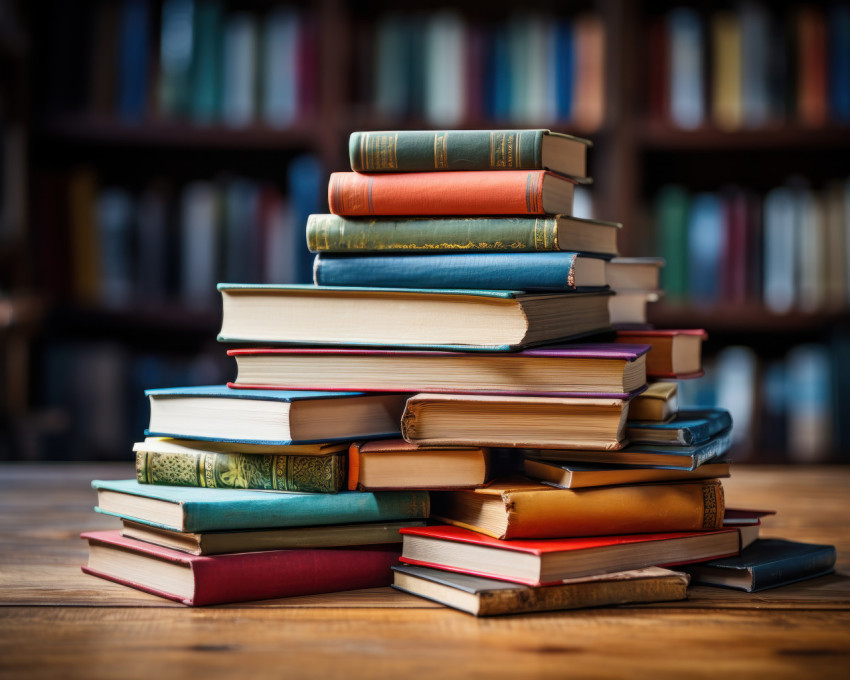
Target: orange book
[
  {"x": 503, "y": 192},
  {"x": 812, "y": 66}
]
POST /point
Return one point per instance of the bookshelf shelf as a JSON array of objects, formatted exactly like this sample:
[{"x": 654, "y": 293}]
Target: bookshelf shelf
[
  {"x": 163, "y": 325},
  {"x": 745, "y": 319},
  {"x": 655, "y": 136}
]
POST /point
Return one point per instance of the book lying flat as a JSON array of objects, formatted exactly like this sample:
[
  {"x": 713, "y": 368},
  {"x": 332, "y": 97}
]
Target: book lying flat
[
  {"x": 221, "y": 413},
  {"x": 612, "y": 370},
  {"x": 198, "y": 510},
  {"x": 224, "y": 542},
  {"x": 484, "y": 420},
  {"x": 201, "y": 580},
  {"x": 576, "y": 476},
  {"x": 551, "y": 561},
  {"x": 628, "y": 309},
  {"x": 690, "y": 427},
  {"x": 767, "y": 563},
  {"x": 658, "y": 403},
  {"x": 522, "y": 509},
  {"x": 562, "y": 272},
  {"x": 674, "y": 354},
  {"x": 396, "y": 464},
  {"x": 488, "y": 597},
  {"x": 634, "y": 273},
  {"x": 496, "y": 320}
]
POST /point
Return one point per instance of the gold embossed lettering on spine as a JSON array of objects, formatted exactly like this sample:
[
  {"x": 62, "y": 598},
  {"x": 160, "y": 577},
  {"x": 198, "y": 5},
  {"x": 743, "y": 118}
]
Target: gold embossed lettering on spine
[{"x": 322, "y": 474}]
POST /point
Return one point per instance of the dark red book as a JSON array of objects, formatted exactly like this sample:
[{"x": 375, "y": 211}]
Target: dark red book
[
  {"x": 199, "y": 580},
  {"x": 675, "y": 354}
]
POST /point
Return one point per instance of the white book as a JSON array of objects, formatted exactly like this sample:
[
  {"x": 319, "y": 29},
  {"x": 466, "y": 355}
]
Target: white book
[
  {"x": 199, "y": 244},
  {"x": 445, "y": 71},
  {"x": 280, "y": 102},
  {"x": 239, "y": 94},
  {"x": 736, "y": 375}
]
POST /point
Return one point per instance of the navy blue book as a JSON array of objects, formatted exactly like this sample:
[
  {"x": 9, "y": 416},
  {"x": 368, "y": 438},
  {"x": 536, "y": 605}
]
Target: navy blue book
[
  {"x": 133, "y": 60},
  {"x": 478, "y": 271},
  {"x": 279, "y": 417},
  {"x": 767, "y": 563},
  {"x": 690, "y": 427}
]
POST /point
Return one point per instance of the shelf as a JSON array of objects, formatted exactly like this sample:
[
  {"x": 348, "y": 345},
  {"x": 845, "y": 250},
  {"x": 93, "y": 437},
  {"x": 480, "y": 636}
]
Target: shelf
[
  {"x": 744, "y": 319},
  {"x": 656, "y": 136}
]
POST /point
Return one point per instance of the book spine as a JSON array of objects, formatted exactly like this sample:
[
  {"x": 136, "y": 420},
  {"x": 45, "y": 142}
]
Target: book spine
[
  {"x": 445, "y": 193},
  {"x": 320, "y": 474},
  {"x": 487, "y": 271},
  {"x": 332, "y": 233},
  {"x": 424, "y": 151},
  {"x": 793, "y": 568}
]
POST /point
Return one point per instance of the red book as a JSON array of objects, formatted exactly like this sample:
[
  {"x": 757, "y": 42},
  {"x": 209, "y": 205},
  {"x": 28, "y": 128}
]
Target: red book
[
  {"x": 198, "y": 580},
  {"x": 497, "y": 192},
  {"x": 550, "y": 561},
  {"x": 675, "y": 354}
]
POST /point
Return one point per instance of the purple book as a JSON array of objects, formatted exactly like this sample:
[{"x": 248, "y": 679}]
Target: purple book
[{"x": 610, "y": 370}]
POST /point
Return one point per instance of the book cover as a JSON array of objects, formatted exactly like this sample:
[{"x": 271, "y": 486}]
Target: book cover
[
  {"x": 202, "y": 510},
  {"x": 671, "y": 216},
  {"x": 237, "y": 577},
  {"x": 663, "y": 361},
  {"x": 577, "y": 476},
  {"x": 690, "y": 427},
  {"x": 133, "y": 60}
]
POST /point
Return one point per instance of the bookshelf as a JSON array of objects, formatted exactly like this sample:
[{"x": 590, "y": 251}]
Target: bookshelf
[{"x": 638, "y": 151}]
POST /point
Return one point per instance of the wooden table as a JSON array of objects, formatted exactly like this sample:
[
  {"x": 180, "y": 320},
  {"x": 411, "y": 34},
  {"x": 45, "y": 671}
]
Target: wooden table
[{"x": 58, "y": 622}]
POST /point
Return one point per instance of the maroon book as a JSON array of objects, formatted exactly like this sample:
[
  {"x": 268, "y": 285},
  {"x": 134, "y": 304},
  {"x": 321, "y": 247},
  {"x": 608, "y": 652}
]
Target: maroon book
[{"x": 199, "y": 580}]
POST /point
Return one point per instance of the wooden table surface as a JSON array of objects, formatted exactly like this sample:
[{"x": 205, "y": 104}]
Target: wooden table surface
[{"x": 56, "y": 621}]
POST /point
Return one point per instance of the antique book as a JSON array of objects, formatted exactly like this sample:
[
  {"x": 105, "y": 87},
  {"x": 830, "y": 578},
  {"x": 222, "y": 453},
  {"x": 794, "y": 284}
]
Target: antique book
[
  {"x": 550, "y": 561},
  {"x": 441, "y": 150},
  {"x": 674, "y": 354},
  {"x": 470, "y": 234},
  {"x": 658, "y": 403},
  {"x": 194, "y": 509},
  {"x": 510, "y": 192},
  {"x": 198, "y": 580},
  {"x": 185, "y": 466},
  {"x": 218, "y": 412},
  {"x": 514, "y": 421},
  {"x": 628, "y": 308},
  {"x": 523, "y": 509},
  {"x": 563, "y": 272},
  {"x": 767, "y": 563},
  {"x": 488, "y": 597},
  {"x": 395, "y": 464},
  {"x": 634, "y": 273},
  {"x": 496, "y": 320},
  {"x": 602, "y": 369},
  {"x": 689, "y": 427},
  {"x": 224, "y": 542},
  {"x": 576, "y": 476}
]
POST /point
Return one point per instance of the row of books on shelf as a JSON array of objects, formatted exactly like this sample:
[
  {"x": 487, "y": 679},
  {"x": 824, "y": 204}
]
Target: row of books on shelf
[
  {"x": 788, "y": 250},
  {"x": 751, "y": 66}
]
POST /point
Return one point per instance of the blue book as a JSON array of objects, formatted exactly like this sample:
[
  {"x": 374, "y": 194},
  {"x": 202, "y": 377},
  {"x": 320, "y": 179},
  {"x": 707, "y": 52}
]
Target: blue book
[
  {"x": 307, "y": 188},
  {"x": 706, "y": 240},
  {"x": 513, "y": 271},
  {"x": 839, "y": 62},
  {"x": 206, "y": 62},
  {"x": 689, "y": 427},
  {"x": 564, "y": 69},
  {"x": 133, "y": 61},
  {"x": 767, "y": 563},
  {"x": 499, "y": 75},
  {"x": 192, "y": 509},
  {"x": 279, "y": 417}
]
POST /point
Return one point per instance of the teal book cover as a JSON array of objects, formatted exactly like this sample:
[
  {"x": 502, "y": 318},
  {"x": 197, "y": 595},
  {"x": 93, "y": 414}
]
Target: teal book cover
[{"x": 690, "y": 427}]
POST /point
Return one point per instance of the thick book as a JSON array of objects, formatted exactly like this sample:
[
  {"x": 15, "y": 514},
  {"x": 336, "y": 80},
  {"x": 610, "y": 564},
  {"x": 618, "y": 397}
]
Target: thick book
[
  {"x": 198, "y": 580},
  {"x": 495, "y": 320},
  {"x": 221, "y": 413},
  {"x": 551, "y": 561},
  {"x": 471, "y": 234},
  {"x": 484, "y": 420},
  {"x": 658, "y": 403},
  {"x": 396, "y": 464},
  {"x": 576, "y": 476},
  {"x": 512, "y": 192},
  {"x": 634, "y": 273},
  {"x": 674, "y": 354},
  {"x": 164, "y": 462},
  {"x": 563, "y": 272},
  {"x": 767, "y": 563},
  {"x": 442, "y": 150},
  {"x": 289, "y": 538},
  {"x": 690, "y": 427},
  {"x": 523, "y": 509},
  {"x": 628, "y": 309},
  {"x": 644, "y": 455},
  {"x": 488, "y": 597},
  {"x": 604, "y": 369},
  {"x": 197, "y": 510}
]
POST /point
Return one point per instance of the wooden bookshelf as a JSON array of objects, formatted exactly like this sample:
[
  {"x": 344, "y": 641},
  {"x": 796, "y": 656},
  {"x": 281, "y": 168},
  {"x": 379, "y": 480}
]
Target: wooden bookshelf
[{"x": 654, "y": 135}]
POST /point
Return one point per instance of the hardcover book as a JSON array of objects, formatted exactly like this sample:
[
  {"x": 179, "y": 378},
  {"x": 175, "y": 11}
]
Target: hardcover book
[
  {"x": 658, "y": 403},
  {"x": 487, "y": 597},
  {"x": 217, "y": 412},
  {"x": 511, "y": 192},
  {"x": 198, "y": 580},
  {"x": 576, "y": 476},
  {"x": 563, "y": 272},
  {"x": 690, "y": 427},
  {"x": 495, "y": 320},
  {"x": 191, "y": 509},
  {"x": 612, "y": 370},
  {"x": 634, "y": 273},
  {"x": 441, "y": 150},
  {"x": 674, "y": 354},
  {"x": 522, "y": 509}
]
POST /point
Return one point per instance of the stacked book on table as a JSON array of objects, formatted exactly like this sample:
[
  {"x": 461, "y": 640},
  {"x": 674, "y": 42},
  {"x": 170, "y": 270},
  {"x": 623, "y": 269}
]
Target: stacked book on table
[{"x": 456, "y": 361}]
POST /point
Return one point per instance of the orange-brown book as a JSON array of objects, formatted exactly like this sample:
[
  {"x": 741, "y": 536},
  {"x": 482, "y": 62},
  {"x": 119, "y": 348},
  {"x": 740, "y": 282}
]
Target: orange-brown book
[
  {"x": 511, "y": 192},
  {"x": 523, "y": 509}
]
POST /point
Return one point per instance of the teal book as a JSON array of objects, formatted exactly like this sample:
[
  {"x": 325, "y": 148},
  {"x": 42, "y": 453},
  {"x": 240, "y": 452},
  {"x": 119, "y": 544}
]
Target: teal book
[
  {"x": 672, "y": 210},
  {"x": 189, "y": 509},
  {"x": 689, "y": 427}
]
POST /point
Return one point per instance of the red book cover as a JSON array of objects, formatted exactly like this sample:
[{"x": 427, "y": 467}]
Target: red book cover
[
  {"x": 499, "y": 192},
  {"x": 262, "y": 575}
]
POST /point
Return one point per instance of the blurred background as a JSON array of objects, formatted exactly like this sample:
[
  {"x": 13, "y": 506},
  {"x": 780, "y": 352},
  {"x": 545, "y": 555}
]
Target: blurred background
[{"x": 150, "y": 148}]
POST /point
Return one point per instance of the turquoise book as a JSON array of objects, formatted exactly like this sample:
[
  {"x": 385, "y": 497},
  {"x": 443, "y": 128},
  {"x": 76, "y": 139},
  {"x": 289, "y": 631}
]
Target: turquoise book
[
  {"x": 190, "y": 509},
  {"x": 689, "y": 427}
]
